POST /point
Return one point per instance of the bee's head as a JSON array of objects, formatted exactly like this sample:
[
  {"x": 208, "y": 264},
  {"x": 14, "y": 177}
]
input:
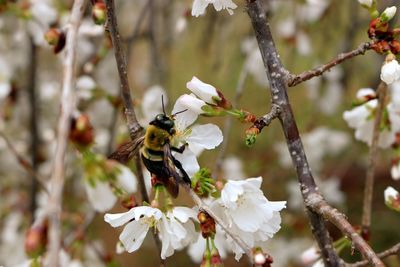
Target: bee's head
[{"x": 164, "y": 122}]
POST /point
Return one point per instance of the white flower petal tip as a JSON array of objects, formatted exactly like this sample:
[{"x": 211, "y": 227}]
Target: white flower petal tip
[
  {"x": 204, "y": 91},
  {"x": 388, "y": 14},
  {"x": 199, "y": 6},
  {"x": 390, "y": 71},
  {"x": 366, "y": 3},
  {"x": 395, "y": 172},
  {"x": 365, "y": 94}
]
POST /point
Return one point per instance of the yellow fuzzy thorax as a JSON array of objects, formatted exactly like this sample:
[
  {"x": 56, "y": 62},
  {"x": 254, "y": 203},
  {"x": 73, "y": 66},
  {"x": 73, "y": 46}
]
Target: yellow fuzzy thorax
[{"x": 156, "y": 138}]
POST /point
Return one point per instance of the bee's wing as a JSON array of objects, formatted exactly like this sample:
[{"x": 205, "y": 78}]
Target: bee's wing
[
  {"x": 125, "y": 152},
  {"x": 169, "y": 167}
]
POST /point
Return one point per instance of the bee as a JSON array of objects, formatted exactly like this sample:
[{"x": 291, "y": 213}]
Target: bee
[{"x": 155, "y": 151}]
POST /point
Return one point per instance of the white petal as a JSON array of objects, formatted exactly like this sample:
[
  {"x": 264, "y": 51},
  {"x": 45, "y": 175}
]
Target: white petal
[
  {"x": 189, "y": 161},
  {"x": 126, "y": 179},
  {"x": 164, "y": 231},
  {"x": 183, "y": 214},
  {"x": 5, "y": 89},
  {"x": 133, "y": 235},
  {"x": 193, "y": 106},
  {"x": 101, "y": 196},
  {"x": 148, "y": 212},
  {"x": 204, "y": 91},
  {"x": 364, "y": 93},
  {"x": 118, "y": 219},
  {"x": 208, "y": 136},
  {"x": 199, "y": 7},
  {"x": 390, "y": 193},
  {"x": 151, "y": 104}
]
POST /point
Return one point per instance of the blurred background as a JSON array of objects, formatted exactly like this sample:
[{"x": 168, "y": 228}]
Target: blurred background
[{"x": 165, "y": 48}]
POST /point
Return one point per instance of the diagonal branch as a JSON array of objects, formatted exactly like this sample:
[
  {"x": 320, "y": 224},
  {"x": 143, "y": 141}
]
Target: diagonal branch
[
  {"x": 294, "y": 80},
  {"x": 67, "y": 106},
  {"x": 316, "y": 211},
  {"x": 395, "y": 250},
  {"x": 25, "y": 163}
]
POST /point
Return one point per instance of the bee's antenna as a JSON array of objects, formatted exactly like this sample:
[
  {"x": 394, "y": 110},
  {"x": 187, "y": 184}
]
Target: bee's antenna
[
  {"x": 162, "y": 102},
  {"x": 179, "y": 112}
]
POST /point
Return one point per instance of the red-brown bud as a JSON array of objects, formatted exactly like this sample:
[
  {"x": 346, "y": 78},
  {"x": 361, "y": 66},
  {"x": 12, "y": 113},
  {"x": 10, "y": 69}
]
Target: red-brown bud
[
  {"x": 99, "y": 13},
  {"x": 81, "y": 131},
  {"x": 252, "y": 131},
  {"x": 36, "y": 239},
  {"x": 395, "y": 47},
  {"x": 56, "y": 38}
]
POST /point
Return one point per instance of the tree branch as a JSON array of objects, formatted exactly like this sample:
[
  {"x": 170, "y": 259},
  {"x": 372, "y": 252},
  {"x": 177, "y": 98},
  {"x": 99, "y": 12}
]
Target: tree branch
[
  {"x": 369, "y": 182},
  {"x": 67, "y": 106},
  {"x": 25, "y": 164},
  {"x": 276, "y": 74},
  {"x": 389, "y": 252},
  {"x": 133, "y": 125},
  {"x": 294, "y": 80},
  {"x": 319, "y": 205}
]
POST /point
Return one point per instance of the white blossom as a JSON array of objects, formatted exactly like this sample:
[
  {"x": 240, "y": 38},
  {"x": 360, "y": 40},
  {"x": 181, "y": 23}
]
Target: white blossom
[
  {"x": 366, "y": 3},
  {"x": 313, "y": 10},
  {"x": 175, "y": 229},
  {"x": 390, "y": 71},
  {"x": 361, "y": 118},
  {"x": 248, "y": 212},
  {"x": 233, "y": 168},
  {"x": 199, "y": 6},
  {"x": 310, "y": 256},
  {"x": 84, "y": 86},
  {"x": 254, "y": 64}
]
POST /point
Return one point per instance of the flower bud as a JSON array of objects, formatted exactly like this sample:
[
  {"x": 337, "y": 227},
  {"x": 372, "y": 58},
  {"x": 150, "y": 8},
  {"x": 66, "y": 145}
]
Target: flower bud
[
  {"x": 395, "y": 47},
  {"x": 388, "y": 14},
  {"x": 365, "y": 94},
  {"x": 36, "y": 240},
  {"x": 216, "y": 260},
  {"x": 99, "y": 13},
  {"x": 390, "y": 70},
  {"x": 129, "y": 202},
  {"x": 81, "y": 131},
  {"x": 55, "y": 38},
  {"x": 392, "y": 198}
]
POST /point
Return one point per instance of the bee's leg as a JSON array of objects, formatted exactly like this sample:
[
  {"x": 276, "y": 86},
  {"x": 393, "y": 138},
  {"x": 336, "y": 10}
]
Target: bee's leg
[
  {"x": 185, "y": 177},
  {"x": 179, "y": 150}
]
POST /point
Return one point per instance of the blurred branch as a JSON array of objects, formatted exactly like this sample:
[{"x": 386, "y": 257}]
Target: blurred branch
[
  {"x": 317, "y": 208},
  {"x": 369, "y": 182},
  {"x": 33, "y": 122},
  {"x": 395, "y": 250},
  {"x": 25, "y": 164},
  {"x": 67, "y": 106},
  {"x": 294, "y": 80}
]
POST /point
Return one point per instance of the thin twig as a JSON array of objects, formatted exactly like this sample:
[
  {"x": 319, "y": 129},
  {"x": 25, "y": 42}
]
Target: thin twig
[
  {"x": 199, "y": 202},
  {"x": 33, "y": 123},
  {"x": 373, "y": 152},
  {"x": 395, "y": 250},
  {"x": 266, "y": 120},
  {"x": 294, "y": 80},
  {"x": 67, "y": 106},
  {"x": 25, "y": 163},
  {"x": 228, "y": 121},
  {"x": 276, "y": 74},
  {"x": 319, "y": 205},
  {"x": 133, "y": 125}
]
